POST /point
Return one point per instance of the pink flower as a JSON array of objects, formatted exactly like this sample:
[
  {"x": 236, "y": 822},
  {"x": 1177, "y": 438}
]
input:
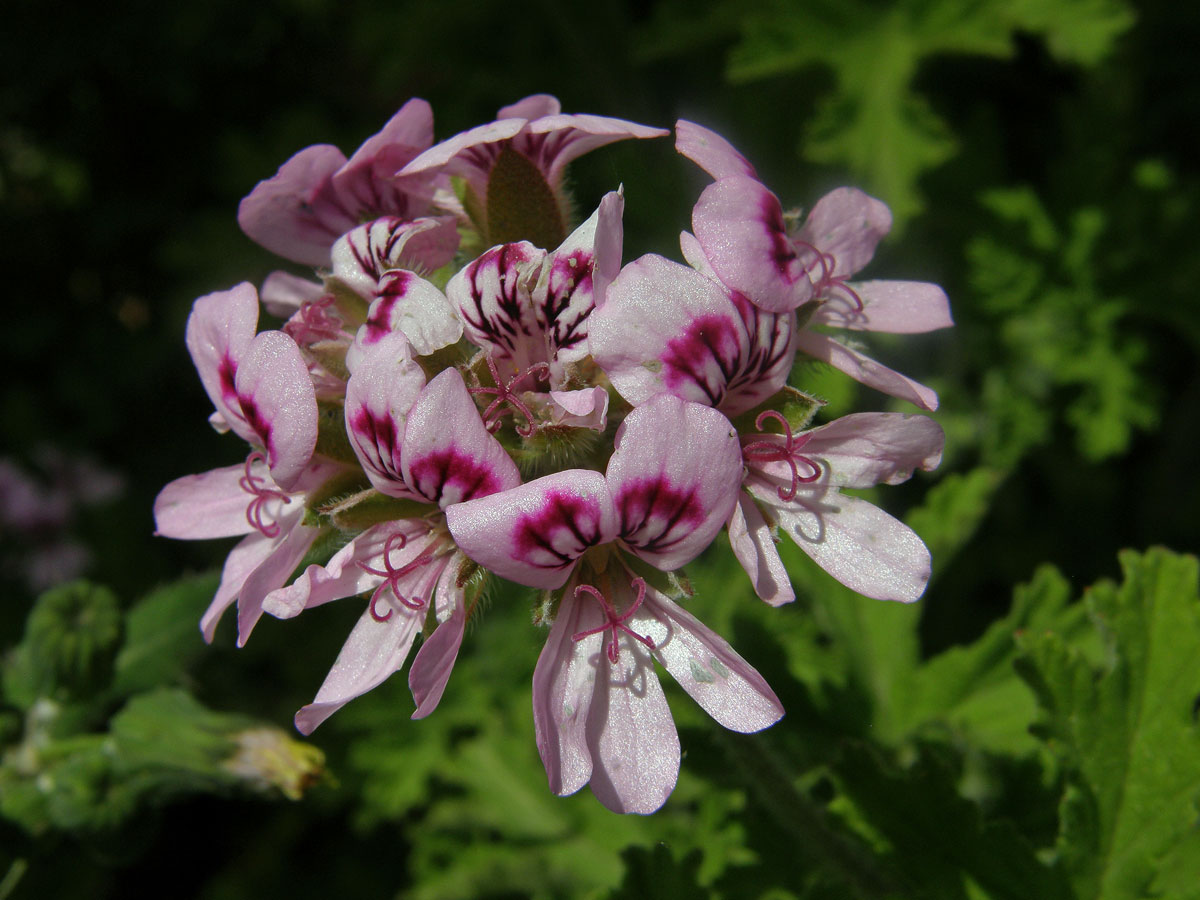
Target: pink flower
[
  {"x": 318, "y": 195},
  {"x": 423, "y": 443},
  {"x": 795, "y": 481},
  {"x": 599, "y": 712},
  {"x": 261, "y": 388},
  {"x": 743, "y": 232}
]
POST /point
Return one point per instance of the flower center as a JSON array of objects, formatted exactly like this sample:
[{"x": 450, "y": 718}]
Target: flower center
[
  {"x": 614, "y": 622},
  {"x": 769, "y": 451},
  {"x": 257, "y": 487},
  {"x": 391, "y": 576},
  {"x": 504, "y": 394}
]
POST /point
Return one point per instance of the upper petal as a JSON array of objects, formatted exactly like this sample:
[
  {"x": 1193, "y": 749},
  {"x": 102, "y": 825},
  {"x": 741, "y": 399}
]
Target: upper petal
[
  {"x": 739, "y": 223},
  {"x": 674, "y": 479},
  {"x": 219, "y": 331},
  {"x": 847, "y": 224},
  {"x": 278, "y": 404},
  {"x": 449, "y": 456},
  {"x": 533, "y": 534},
  {"x": 379, "y": 395},
  {"x": 710, "y": 151},
  {"x": 406, "y": 303},
  {"x": 296, "y": 213},
  {"x": 362, "y": 255},
  {"x": 493, "y": 297}
]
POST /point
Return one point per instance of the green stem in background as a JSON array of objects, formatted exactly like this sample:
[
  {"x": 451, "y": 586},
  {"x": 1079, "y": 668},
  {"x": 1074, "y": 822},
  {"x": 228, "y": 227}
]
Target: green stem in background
[{"x": 15, "y": 873}]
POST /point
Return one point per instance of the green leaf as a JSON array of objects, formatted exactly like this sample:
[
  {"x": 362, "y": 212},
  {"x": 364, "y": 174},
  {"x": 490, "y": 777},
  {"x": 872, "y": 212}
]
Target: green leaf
[
  {"x": 162, "y": 634},
  {"x": 1125, "y": 728}
]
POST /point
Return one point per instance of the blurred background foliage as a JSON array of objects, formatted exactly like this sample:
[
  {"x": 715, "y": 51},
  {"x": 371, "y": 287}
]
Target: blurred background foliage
[{"x": 1002, "y": 738}]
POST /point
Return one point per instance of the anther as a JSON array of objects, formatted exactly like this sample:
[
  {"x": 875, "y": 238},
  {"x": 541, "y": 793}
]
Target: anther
[
  {"x": 768, "y": 451},
  {"x": 613, "y": 621},
  {"x": 257, "y": 487},
  {"x": 504, "y": 394}
]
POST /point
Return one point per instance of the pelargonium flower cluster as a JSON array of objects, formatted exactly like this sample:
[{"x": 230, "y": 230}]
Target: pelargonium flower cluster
[{"x": 468, "y": 389}]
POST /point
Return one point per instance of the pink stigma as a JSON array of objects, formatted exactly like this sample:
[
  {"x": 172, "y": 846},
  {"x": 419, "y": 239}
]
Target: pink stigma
[
  {"x": 504, "y": 394},
  {"x": 766, "y": 451},
  {"x": 613, "y": 621},
  {"x": 257, "y": 487},
  {"x": 391, "y": 576}
]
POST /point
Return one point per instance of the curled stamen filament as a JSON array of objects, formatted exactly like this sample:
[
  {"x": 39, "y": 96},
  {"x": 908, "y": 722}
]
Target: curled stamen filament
[
  {"x": 829, "y": 282},
  {"x": 257, "y": 487},
  {"x": 613, "y": 621},
  {"x": 391, "y": 576},
  {"x": 504, "y": 394},
  {"x": 766, "y": 451}
]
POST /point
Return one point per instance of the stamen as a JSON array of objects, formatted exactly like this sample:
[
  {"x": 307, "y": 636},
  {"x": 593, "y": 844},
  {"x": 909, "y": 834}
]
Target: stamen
[
  {"x": 767, "y": 451},
  {"x": 613, "y": 621},
  {"x": 828, "y": 283},
  {"x": 391, "y": 576},
  {"x": 504, "y": 394},
  {"x": 256, "y": 486}
]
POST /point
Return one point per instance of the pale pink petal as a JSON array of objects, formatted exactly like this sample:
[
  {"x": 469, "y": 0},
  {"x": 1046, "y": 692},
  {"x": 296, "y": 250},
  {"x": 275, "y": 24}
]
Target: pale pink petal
[
  {"x": 553, "y": 141},
  {"x": 431, "y": 667},
  {"x": 702, "y": 662},
  {"x": 753, "y": 544},
  {"x": 385, "y": 384},
  {"x": 533, "y": 534},
  {"x": 532, "y": 107},
  {"x": 865, "y": 449},
  {"x": 739, "y": 223},
  {"x": 635, "y": 748},
  {"x": 294, "y": 541},
  {"x": 219, "y": 331},
  {"x": 866, "y": 370},
  {"x": 586, "y": 408},
  {"x": 896, "y": 307},
  {"x": 449, "y": 456},
  {"x": 278, "y": 404},
  {"x": 411, "y": 129},
  {"x": 858, "y": 544},
  {"x": 710, "y": 151},
  {"x": 674, "y": 479},
  {"x": 847, "y": 224},
  {"x": 283, "y": 293},
  {"x": 362, "y": 256},
  {"x": 492, "y": 296},
  {"x": 296, "y": 213},
  {"x": 209, "y": 505},
  {"x": 407, "y": 303},
  {"x": 564, "y": 683},
  {"x": 666, "y": 327},
  {"x": 608, "y": 243},
  {"x": 373, "y": 652},
  {"x": 250, "y": 553},
  {"x": 451, "y": 155}
]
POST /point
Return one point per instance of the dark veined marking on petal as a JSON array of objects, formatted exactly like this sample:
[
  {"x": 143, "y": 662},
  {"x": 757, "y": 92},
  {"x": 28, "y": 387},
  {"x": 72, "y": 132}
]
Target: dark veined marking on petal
[
  {"x": 450, "y": 467},
  {"x": 255, "y": 419},
  {"x": 503, "y": 328},
  {"x": 569, "y": 274},
  {"x": 226, "y": 372},
  {"x": 655, "y": 515},
  {"x": 376, "y": 436},
  {"x": 379, "y": 323},
  {"x": 708, "y": 340},
  {"x": 563, "y": 529}
]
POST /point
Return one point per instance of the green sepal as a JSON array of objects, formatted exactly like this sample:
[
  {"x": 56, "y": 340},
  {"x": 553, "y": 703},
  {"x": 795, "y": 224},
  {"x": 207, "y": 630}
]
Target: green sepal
[
  {"x": 350, "y": 305},
  {"x": 71, "y": 640},
  {"x": 365, "y": 508},
  {"x": 332, "y": 440},
  {"x": 797, "y": 407},
  {"x": 521, "y": 206},
  {"x": 331, "y": 355}
]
